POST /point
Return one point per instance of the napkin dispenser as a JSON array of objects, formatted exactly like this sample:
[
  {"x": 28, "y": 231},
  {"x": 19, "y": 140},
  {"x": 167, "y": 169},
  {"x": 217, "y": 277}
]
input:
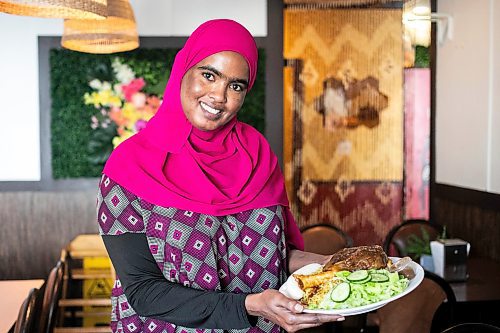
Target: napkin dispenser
[{"x": 450, "y": 258}]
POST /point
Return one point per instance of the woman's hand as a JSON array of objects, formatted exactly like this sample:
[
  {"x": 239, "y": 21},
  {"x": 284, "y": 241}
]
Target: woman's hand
[{"x": 286, "y": 312}]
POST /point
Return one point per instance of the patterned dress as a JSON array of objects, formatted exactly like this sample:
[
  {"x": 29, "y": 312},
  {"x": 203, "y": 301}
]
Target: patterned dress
[{"x": 237, "y": 253}]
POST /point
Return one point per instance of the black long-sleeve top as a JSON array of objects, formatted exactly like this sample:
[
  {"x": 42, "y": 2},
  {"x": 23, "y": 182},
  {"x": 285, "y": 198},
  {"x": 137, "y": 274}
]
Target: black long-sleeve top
[{"x": 151, "y": 295}]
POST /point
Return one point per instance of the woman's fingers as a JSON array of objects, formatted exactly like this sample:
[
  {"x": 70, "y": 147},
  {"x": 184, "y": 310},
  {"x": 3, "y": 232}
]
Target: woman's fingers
[
  {"x": 296, "y": 322},
  {"x": 284, "y": 311}
]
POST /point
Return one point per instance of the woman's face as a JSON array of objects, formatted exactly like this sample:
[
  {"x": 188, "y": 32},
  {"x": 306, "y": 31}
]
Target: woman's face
[{"x": 213, "y": 90}]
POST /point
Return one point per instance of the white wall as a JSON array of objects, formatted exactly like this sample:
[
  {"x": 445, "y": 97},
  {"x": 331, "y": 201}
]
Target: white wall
[
  {"x": 19, "y": 100},
  {"x": 467, "y": 97}
]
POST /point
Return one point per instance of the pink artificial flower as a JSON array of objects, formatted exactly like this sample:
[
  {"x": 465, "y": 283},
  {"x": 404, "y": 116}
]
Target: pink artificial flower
[
  {"x": 139, "y": 100},
  {"x": 134, "y": 86},
  {"x": 140, "y": 124}
]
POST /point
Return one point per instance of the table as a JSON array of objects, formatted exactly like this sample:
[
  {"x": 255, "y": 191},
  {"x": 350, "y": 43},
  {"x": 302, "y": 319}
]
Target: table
[
  {"x": 12, "y": 295},
  {"x": 483, "y": 283}
]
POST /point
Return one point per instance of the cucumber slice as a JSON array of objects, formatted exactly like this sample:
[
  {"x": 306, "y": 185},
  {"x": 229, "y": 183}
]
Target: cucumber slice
[
  {"x": 368, "y": 279},
  {"x": 358, "y": 276},
  {"x": 379, "y": 277},
  {"x": 341, "y": 292}
]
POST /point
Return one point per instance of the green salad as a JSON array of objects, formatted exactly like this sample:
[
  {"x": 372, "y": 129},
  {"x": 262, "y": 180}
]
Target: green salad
[{"x": 363, "y": 287}]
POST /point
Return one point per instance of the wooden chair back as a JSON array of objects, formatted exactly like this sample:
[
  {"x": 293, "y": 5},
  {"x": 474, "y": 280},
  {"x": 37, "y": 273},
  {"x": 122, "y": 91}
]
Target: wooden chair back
[
  {"x": 325, "y": 239},
  {"x": 472, "y": 327},
  {"x": 52, "y": 294},
  {"x": 397, "y": 240},
  {"x": 27, "y": 314}
]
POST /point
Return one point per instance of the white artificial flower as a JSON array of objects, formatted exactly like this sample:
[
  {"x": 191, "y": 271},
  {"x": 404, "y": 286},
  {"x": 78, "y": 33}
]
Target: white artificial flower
[
  {"x": 123, "y": 72},
  {"x": 106, "y": 86},
  {"x": 95, "y": 84},
  {"x": 117, "y": 88}
]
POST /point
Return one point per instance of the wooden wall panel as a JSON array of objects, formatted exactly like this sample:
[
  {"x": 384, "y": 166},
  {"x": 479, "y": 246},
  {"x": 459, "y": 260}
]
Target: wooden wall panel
[
  {"x": 36, "y": 225},
  {"x": 470, "y": 215}
]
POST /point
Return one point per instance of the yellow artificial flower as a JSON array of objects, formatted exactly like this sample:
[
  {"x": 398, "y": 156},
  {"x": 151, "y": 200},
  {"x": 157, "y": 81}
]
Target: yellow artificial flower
[{"x": 125, "y": 134}]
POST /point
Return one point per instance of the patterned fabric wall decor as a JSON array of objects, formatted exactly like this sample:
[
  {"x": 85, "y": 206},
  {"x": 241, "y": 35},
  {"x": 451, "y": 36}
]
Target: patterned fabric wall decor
[
  {"x": 417, "y": 142},
  {"x": 343, "y": 118}
]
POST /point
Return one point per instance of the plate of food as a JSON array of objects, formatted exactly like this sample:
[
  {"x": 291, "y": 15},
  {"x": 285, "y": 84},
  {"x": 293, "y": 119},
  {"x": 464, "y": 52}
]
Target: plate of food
[{"x": 356, "y": 280}]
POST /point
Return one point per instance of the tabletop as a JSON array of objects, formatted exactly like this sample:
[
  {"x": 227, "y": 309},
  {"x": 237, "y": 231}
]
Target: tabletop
[
  {"x": 13, "y": 293},
  {"x": 483, "y": 283}
]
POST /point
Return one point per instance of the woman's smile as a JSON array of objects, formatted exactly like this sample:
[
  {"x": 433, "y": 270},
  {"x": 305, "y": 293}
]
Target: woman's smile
[{"x": 212, "y": 111}]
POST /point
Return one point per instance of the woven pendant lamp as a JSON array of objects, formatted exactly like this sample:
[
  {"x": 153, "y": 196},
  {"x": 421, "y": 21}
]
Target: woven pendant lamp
[
  {"x": 116, "y": 33},
  {"x": 77, "y": 9}
]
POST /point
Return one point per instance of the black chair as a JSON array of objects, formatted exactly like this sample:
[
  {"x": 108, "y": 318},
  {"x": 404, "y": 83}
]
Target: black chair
[
  {"x": 27, "y": 314},
  {"x": 472, "y": 328},
  {"x": 51, "y": 296},
  {"x": 325, "y": 239},
  {"x": 430, "y": 305},
  {"x": 397, "y": 240},
  {"x": 445, "y": 313}
]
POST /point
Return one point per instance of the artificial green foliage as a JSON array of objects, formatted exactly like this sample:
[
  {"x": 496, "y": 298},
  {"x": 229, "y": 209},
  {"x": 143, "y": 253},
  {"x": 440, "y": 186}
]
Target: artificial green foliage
[
  {"x": 77, "y": 150},
  {"x": 70, "y": 73},
  {"x": 422, "y": 57},
  {"x": 418, "y": 245}
]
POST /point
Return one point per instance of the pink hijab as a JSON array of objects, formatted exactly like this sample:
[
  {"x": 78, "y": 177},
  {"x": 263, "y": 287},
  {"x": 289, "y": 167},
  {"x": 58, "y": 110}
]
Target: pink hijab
[{"x": 172, "y": 164}]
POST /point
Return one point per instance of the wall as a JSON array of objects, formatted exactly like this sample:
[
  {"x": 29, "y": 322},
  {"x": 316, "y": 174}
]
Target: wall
[
  {"x": 37, "y": 224},
  {"x": 467, "y": 97}
]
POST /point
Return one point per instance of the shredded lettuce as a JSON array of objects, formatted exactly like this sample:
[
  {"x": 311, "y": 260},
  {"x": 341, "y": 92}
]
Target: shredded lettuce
[{"x": 366, "y": 293}]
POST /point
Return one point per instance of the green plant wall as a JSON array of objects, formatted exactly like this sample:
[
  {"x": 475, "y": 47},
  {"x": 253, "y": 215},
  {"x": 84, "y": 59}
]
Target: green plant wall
[{"x": 70, "y": 74}]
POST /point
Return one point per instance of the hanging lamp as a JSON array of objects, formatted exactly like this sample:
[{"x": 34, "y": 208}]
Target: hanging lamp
[
  {"x": 77, "y": 9},
  {"x": 116, "y": 33}
]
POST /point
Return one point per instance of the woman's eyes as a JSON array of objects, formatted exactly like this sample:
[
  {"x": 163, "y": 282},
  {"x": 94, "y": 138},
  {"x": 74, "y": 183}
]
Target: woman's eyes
[
  {"x": 234, "y": 86},
  {"x": 208, "y": 76}
]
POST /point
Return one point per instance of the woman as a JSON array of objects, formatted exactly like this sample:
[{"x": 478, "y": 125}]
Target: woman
[{"x": 193, "y": 209}]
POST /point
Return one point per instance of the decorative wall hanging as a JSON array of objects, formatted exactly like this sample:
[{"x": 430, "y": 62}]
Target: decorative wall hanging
[
  {"x": 76, "y": 9},
  {"x": 343, "y": 118},
  {"x": 417, "y": 142}
]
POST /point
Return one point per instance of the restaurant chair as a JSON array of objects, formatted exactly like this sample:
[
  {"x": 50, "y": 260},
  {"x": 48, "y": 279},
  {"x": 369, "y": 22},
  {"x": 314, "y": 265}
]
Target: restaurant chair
[
  {"x": 472, "y": 328},
  {"x": 397, "y": 239},
  {"x": 27, "y": 314},
  {"x": 88, "y": 264},
  {"x": 416, "y": 312},
  {"x": 325, "y": 239},
  {"x": 51, "y": 296}
]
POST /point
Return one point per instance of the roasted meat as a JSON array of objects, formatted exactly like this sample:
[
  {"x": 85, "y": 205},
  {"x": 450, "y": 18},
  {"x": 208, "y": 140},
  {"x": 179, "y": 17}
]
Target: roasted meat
[
  {"x": 348, "y": 259},
  {"x": 356, "y": 258}
]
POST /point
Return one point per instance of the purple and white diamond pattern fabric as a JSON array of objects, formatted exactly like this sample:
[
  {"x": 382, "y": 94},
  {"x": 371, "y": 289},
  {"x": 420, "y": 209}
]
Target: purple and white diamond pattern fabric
[
  {"x": 235, "y": 253},
  {"x": 116, "y": 201}
]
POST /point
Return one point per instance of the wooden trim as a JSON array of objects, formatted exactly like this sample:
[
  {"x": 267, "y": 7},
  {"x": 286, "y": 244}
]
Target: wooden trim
[
  {"x": 274, "y": 78},
  {"x": 432, "y": 134},
  {"x": 481, "y": 199},
  {"x": 70, "y": 302}
]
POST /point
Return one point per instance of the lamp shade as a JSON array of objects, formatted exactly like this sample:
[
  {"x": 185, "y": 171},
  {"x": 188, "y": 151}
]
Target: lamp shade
[
  {"x": 78, "y": 9},
  {"x": 116, "y": 33}
]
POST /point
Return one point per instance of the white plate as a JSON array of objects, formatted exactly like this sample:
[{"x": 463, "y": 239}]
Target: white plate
[{"x": 289, "y": 289}]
